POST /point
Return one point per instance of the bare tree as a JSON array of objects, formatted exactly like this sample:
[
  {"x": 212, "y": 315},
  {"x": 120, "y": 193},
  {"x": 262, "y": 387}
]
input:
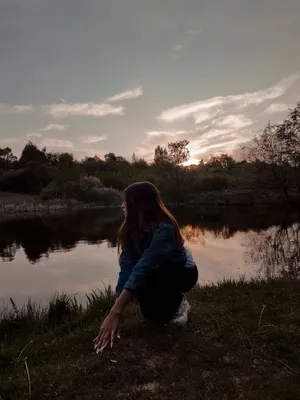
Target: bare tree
[{"x": 278, "y": 147}]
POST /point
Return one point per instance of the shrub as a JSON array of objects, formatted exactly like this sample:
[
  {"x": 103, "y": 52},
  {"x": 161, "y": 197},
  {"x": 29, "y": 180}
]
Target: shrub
[
  {"x": 28, "y": 180},
  {"x": 87, "y": 190},
  {"x": 213, "y": 183}
]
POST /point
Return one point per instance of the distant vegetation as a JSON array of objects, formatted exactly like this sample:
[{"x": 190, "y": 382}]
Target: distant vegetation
[{"x": 271, "y": 165}]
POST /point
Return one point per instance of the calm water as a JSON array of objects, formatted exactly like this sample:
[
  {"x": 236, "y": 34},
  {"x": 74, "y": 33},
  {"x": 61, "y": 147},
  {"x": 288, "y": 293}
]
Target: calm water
[{"x": 76, "y": 254}]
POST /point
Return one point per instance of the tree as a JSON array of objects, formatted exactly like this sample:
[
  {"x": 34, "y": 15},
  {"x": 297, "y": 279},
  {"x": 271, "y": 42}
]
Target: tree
[
  {"x": 266, "y": 148},
  {"x": 32, "y": 154},
  {"x": 110, "y": 157},
  {"x": 222, "y": 162},
  {"x": 288, "y": 134},
  {"x": 161, "y": 155},
  {"x": 178, "y": 152},
  {"x": 169, "y": 162},
  {"x": 93, "y": 165},
  {"x": 7, "y": 159},
  {"x": 278, "y": 147}
]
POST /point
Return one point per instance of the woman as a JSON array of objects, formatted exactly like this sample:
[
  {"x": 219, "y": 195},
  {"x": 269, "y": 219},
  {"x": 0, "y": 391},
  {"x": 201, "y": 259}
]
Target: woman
[{"x": 155, "y": 267}]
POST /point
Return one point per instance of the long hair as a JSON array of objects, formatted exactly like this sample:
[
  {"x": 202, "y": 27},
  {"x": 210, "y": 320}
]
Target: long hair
[{"x": 144, "y": 209}]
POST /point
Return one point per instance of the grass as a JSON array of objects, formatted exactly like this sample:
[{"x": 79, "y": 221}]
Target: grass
[
  {"x": 242, "y": 342},
  {"x": 17, "y": 205}
]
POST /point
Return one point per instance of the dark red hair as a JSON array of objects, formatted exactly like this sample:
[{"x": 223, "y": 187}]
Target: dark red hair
[{"x": 145, "y": 209}]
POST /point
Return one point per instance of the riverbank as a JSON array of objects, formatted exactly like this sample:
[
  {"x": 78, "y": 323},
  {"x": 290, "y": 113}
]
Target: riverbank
[
  {"x": 242, "y": 342},
  {"x": 14, "y": 206},
  {"x": 19, "y": 205}
]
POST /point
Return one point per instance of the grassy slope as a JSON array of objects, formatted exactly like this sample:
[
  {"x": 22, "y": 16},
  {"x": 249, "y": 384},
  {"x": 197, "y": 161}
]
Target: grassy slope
[{"x": 242, "y": 342}]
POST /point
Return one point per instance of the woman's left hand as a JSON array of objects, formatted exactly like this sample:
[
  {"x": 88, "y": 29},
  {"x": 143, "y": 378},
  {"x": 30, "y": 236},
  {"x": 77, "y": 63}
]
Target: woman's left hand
[{"x": 108, "y": 330}]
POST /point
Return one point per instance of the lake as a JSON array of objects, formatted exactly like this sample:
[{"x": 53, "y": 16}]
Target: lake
[{"x": 77, "y": 253}]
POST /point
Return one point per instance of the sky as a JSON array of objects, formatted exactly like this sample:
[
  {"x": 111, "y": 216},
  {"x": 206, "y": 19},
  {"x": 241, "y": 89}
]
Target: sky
[{"x": 123, "y": 76}]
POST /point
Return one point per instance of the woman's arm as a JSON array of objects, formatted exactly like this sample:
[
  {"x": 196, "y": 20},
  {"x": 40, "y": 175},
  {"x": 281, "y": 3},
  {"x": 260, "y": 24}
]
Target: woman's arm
[
  {"x": 127, "y": 261},
  {"x": 163, "y": 242}
]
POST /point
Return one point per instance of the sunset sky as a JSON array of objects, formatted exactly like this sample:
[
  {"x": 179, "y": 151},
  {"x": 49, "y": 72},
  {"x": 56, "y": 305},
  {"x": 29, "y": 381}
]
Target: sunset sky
[{"x": 95, "y": 76}]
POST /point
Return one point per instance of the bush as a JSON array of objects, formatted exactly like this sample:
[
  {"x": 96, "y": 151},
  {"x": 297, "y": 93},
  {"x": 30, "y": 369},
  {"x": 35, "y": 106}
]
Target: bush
[
  {"x": 87, "y": 190},
  {"x": 213, "y": 183},
  {"x": 106, "y": 196},
  {"x": 28, "y": 180}
]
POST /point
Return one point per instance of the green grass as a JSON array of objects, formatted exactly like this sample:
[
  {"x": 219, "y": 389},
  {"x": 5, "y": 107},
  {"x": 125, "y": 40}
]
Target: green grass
[{"x": 242, "y": 342}]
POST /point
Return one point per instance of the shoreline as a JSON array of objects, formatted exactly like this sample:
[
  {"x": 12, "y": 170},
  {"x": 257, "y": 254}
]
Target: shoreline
[
  {"x": 14, "y": 206},
  {"x": 241, "y": 341}
]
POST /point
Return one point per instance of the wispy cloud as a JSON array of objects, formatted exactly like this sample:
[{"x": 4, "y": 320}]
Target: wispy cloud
[
  {"x": 127, "y": 95},
  {"x": 83, "y": 109},
  {"x": 277, "y": 108},
  {"x": 234, "y": 121},
  {"x": 54, "y": 127},
  {"x": 93, "y": 139},
  {"x": 238, "y": 101},
  {"x": 14, "y": 110},
  {"x": 162, "y": 138},
  {"x": 165, "y": 133},
  {"x": 51, "y": 142},
  {"x": 34, "y": 135},
  {"x": 178, "y": 47}
]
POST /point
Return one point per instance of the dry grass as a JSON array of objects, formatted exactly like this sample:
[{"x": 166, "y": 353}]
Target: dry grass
[
  {"x": 242, "y": 342},
  {"x": 18, "y": 205}
]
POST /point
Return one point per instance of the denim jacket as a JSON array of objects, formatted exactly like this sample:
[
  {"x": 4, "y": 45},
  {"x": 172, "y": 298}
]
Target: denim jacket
[{"x": 155, "y": 248}]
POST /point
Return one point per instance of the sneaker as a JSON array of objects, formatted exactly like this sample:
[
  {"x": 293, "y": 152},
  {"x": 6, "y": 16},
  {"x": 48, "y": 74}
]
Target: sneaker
[{"x": 181, "y": 316}]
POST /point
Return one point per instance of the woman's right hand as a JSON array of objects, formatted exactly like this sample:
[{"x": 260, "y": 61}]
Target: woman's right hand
[{"x": 109, "y": 329}]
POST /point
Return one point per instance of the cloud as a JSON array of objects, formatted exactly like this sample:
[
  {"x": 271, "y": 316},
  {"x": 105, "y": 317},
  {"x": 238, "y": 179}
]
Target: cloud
[
  {"x": 276, "y": 108},
  {"x": 127, "y": 95},
  {"x": 178, "y": 47},
  {"x": 54, "y": 127},
  {"x": 14, "y": 110},
  {"x": 162, "y": 138},
  {"x": 206, "y": 116},
  {"x": 234, "y": 121},
  {"x": 83, "y": 109},
  {"x": 238, "y": 101},
  {"x": 34, "y": 135},
  {"x": 51, "y": 142},
  {"x": 93, "y": 139},
  {"x": 165, "y": 133}
]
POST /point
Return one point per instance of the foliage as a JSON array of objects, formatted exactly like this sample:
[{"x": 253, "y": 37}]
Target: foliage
[
  {"x": 278, "y": 147},
  {"x": 88, "y": 189},
  {"x": 7, "y": 159},
  {"x": 28, "y": 180},
  {"x": 272, "y": 164}
]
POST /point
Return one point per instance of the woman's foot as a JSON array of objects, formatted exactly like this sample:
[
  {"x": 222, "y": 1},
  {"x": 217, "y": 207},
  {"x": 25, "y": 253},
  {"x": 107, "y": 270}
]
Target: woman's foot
[{"x": 181, "y": 316}]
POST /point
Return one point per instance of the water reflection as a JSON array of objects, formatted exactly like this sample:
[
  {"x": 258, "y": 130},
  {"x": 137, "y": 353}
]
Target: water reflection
[
  {"x": 277, "y": 251},
  {"x": 42, "y": 236},
  {"x": 77, "y": 253}
]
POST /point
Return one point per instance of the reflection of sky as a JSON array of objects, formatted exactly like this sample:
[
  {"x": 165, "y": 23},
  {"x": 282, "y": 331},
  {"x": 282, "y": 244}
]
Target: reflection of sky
[{"x": 89, "y": 267}]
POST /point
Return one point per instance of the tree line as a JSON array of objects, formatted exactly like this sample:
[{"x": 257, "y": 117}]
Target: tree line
[{"x": 271, "y": 163}]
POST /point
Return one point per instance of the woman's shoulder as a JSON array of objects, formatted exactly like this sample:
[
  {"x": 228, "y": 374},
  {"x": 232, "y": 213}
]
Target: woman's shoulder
[{"x": 165, "y": 226}]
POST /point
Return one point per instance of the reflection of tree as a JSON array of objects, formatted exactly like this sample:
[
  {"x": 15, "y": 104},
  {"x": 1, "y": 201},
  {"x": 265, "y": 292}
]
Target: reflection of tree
[
  {"x": 193, "y": 234},
  {"x": 277, "y": 251},
  {"x": 196, "y": 234},
  {"x": 8, "y": 253},
  {"x": 41, "y": 236}
]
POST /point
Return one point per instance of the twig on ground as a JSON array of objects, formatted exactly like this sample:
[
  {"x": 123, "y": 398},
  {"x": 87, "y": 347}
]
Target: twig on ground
[
  {"x": 28, "y": 377},
  {"x": 27, "y": 345},
  {"x": 261, "y": 315}
]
